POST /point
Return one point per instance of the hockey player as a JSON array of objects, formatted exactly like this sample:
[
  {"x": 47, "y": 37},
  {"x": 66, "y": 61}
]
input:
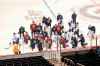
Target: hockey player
[
  {"x": 91, "y": 33},
  {"x": 26, "y": 37},
  {"x": 74, "y": 16},
  {"x": 15, "y": 44},
  {"x": 44, "y": 20},
  {"x": 33, "y": 28},
  {"x": 82, "y": 40},
  {"x": 21, "y": 31},
  {"x": 16, "y": 49},
  {"x": 47, "y": 25}
]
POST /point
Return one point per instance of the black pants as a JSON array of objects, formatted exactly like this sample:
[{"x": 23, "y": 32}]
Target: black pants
[
  {"x": 59, "y": 33},
  {"x": 74, "y": 20},
  {"x": 21, "y": 35},
  {"x": 40, "y": 47},
  {"x": 74, "y": 45}
]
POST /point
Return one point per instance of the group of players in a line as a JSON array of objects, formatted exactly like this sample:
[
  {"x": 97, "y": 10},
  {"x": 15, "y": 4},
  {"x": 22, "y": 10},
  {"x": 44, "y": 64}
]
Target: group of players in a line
[{"x": 44, "y": 36}]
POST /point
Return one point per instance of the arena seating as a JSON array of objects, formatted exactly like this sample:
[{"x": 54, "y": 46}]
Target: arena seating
[
  {"x": 31, "y": 61},
  {"x": 88, "y": 59}
]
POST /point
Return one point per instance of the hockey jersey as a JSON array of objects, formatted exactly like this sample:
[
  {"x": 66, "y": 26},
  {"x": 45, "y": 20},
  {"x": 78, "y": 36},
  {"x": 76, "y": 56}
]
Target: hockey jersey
[{"x": 33, "y": 27}]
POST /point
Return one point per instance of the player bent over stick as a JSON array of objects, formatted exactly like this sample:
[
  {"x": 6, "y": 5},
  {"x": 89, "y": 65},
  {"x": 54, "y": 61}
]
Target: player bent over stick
[{"x": 16, "y": 48}]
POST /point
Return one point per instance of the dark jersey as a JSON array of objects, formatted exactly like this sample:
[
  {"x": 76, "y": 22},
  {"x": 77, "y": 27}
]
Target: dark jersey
[
  {"x": 21, "y": 29},
  {"x": 58, "y": 28},
  {"x": 33, "y": 27},
  {"x": 92, "y": 28},
  {"x": 74, "y": 16},
  {"x": 39, "y": 28}
]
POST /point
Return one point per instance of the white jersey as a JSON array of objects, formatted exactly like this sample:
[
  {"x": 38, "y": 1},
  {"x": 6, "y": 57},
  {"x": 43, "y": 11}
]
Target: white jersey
[
  {"x": 15, "y": 38},
  {"x": 44, "y": 26},
  {"x": 54, "y": 39},
  {"x": 69, "y": 35}
]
